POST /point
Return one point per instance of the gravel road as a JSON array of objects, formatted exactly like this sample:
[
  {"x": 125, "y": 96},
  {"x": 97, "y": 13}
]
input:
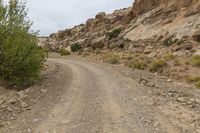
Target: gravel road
[{"x": 99, "y": 99}]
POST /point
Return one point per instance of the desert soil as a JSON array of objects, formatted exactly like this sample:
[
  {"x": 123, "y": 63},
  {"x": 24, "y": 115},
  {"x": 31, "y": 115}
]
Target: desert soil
[{"x": 81, "y": 96}]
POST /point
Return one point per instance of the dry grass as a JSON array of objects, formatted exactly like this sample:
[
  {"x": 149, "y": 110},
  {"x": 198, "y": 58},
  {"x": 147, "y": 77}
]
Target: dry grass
[
  {"x": 85, "y": 54},
  {"x": 168, "y": 57},
  {"x": 111, "y": 58},
  {"x": 177, "y": 62},
  {"x": 196, "y": 60},
  {"x": 192, "y": 79},
  {"x": 157, "y": 65},
  {"x": 197, "y": 84},
  {"x": 137, "y": 65}
]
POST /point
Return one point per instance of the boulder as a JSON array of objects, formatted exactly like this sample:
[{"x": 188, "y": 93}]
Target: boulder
[
  {"x": 89, "y": 23},
  {"x": 100, "y": 15},
  {"x": 148, "y": 49},
  {"x": 117, "y": 43},
  {"x": 152, "y": 55},
  {"x": 98, "y": 43},
  {"x": 196, "y": 36}
]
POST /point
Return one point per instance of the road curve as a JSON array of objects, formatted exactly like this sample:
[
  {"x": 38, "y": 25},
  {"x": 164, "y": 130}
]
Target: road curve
[
  {"x": 80, "y": 96},
  {"x": 99, "y": 100}
]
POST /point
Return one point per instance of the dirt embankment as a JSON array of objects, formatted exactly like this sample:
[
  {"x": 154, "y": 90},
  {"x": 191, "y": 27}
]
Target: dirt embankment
[{"x": 20, "y": 109}]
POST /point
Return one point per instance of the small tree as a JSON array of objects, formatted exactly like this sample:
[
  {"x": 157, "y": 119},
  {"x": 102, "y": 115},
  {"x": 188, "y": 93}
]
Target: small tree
[
  {"x": 75, "y": 47},
  {"x": 21, "y": 60},
  {"x": 113, "y": 34}
]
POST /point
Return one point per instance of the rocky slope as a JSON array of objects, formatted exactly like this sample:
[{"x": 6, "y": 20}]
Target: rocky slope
[
  {"x": 144, "y": 20},
  {"x": 150, "y": 33}
]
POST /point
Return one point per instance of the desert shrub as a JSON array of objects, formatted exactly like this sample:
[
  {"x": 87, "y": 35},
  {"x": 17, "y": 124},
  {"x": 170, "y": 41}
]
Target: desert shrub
[
  {"x": 112, "y": 59},
  {"x": 114, "y": 33},
  {"x": 21, "y": 60},
  {"x": 192, "y": 79},
  {"x": 157, "y": 65},
  {"x": 137, "y": 64},
  {"x": 196, "y": 60},
  {"x": 63, "y": 52},
  {"x": 169, "y": 56},
  {"x": 169, "y": 41},
  {"x": 75, "y": 47},
  {"x": 197, "y": 84}
]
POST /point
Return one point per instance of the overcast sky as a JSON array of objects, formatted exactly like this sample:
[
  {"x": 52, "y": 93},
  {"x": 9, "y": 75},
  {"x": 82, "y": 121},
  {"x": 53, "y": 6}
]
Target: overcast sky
[{"x": 52, "y": 15}]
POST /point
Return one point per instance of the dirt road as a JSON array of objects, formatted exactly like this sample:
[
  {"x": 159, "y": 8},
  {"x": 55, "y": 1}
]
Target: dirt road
[{"x": 99, "y": 99}]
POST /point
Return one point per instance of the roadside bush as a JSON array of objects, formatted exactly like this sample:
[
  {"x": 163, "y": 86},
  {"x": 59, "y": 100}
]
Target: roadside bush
[
  {"x": 196, "y": 60},
  {"x": 75, "y": 47},
  {"x": 112, "y": 59},
  {"x": 157, "y": 65},
  {"x": 113, "y": 34},
  {"x": 137, "y": 65},
  {"x": 64, "y": 52},
  {"x": 21, "y": 60}
]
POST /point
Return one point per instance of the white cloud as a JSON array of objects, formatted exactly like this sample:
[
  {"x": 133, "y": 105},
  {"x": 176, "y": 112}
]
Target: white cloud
[{"x": 50, "y": 16}]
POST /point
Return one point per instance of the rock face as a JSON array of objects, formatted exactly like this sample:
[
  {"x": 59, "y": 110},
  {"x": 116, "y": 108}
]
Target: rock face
[
  {"x": 98, "y": 43},
  {"x": 196, "y": 36},
  {"x": 178, "y": 17},
  {"x": 144, "y": 20}
]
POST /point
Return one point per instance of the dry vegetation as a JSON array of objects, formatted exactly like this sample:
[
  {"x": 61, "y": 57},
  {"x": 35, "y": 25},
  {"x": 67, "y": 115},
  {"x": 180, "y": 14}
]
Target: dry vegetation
[{"x": 168, "y": 64}]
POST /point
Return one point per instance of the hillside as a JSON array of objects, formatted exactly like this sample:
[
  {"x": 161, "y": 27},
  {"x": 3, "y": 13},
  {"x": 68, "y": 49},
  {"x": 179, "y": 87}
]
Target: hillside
[
  {"x": 144, "y": 20},
  {"x": 150, "y": 31}
]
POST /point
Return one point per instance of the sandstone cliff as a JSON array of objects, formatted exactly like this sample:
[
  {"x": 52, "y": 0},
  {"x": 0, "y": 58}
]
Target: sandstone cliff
[{"x": 144, "y": 20}]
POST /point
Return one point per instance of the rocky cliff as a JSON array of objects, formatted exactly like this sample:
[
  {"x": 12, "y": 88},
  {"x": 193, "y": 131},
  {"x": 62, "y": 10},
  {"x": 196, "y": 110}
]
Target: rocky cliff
[{"x": 146, "y": 19}]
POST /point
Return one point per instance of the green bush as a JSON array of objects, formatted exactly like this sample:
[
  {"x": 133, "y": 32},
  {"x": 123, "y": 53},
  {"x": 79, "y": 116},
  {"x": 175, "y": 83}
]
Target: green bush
[
  {"x": 169, "y": 41},
  {"x": 21, "y": 60},
  {"x": 196, "y": 60},
  {"x": 63, "y": 52},
  {"x": 114, "y": 33},
  {"x": 75, "y": 47},
  {"x": 157, "y": 65}
]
